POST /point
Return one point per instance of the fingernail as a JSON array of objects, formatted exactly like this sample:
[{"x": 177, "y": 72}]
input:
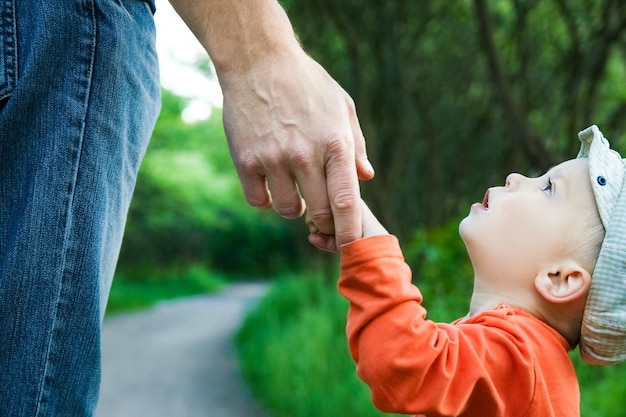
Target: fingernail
[{"x": 368, "y": 166}]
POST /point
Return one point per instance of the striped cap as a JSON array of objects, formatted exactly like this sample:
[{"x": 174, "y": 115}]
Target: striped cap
[{"x": 603, "y": 335}]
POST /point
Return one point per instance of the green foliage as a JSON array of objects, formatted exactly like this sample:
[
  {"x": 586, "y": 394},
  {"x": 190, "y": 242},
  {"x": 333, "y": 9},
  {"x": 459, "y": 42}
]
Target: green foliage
[
  {"x": 439, "y": 260},
  {"x": 602, "y": 389}
]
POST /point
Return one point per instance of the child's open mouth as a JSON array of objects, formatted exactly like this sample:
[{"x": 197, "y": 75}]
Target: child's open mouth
[{"x": 486, "y": 200}]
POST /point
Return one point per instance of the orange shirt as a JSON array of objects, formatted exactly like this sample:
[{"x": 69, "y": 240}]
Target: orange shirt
[{"x": 499, "y": 363}]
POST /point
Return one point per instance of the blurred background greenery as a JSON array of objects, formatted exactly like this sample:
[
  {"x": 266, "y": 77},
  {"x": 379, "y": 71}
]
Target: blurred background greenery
[{"x": 451, "y": 96}]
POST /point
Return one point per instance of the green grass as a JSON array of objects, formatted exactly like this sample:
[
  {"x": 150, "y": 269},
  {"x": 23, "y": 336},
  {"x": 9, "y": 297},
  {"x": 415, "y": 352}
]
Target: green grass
[
  {"x": 602, "y": 389},
  {"x": 294, "y": 355},
  {"x": 140, "y": 291}
]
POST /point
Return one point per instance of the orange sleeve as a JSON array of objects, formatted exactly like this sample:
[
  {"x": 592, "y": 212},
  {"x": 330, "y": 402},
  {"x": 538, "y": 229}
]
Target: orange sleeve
[{"x": 413, "y": 365}]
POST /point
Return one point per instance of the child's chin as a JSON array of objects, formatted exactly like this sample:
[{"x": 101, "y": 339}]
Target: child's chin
[
  {"x": 467, "y": 231},
  {"x": 464, "y": 227}
]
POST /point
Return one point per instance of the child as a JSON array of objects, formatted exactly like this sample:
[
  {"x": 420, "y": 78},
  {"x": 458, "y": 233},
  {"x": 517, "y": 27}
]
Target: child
[{"x": 533, "y": 245}]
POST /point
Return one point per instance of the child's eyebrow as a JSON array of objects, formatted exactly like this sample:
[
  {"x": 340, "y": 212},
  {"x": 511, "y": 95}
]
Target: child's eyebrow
[
  {"x": 538, "y": 174},
  {"x": 565, "y": 182}
]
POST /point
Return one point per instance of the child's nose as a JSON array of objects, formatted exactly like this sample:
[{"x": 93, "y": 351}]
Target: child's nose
[{"x": 513, "y": 179}]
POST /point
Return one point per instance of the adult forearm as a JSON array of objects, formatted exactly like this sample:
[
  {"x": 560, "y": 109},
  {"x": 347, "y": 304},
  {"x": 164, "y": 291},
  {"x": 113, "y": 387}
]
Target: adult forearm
[{"x": 238, "y": 33}]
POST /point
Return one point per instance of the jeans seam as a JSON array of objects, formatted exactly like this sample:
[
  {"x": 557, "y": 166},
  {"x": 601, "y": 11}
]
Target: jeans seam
[
  {"x": 9, "y": 40},
  {"x": 89, "y": 41}
]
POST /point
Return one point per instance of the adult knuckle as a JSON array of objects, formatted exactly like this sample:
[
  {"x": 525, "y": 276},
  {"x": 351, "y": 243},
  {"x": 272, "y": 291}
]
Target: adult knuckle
[
  {"x": 257, "y": 201},
  {"x": 289, "y": 211},
  {"x": 248, "y": 164},
  {"x": 302, "y": 158},
  {"x": 345, "y": 200},
  {"x": 337, "y": 144},
  {"x": 320, "y": 214}
]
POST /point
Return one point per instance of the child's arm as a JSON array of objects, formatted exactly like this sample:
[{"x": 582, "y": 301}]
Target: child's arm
[
  {"x": 414, "y": 365},
  {"x": 371, "y": 227}
]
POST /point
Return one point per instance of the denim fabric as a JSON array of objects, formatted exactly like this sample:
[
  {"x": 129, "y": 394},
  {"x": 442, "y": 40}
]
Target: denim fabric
[{"x": 79, "y": 95}]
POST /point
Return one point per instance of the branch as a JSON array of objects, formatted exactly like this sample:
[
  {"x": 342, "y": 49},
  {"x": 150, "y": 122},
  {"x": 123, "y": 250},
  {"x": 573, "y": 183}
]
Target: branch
[
  {"x": 612, "y": 29},
  {"x": 529, "y": 141}
]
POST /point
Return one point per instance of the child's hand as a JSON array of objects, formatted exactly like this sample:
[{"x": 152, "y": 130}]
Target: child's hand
[{"x": 371, "y": 227}]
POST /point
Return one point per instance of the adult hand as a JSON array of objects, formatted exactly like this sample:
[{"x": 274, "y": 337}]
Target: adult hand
[{"x": 296, "y": 142}]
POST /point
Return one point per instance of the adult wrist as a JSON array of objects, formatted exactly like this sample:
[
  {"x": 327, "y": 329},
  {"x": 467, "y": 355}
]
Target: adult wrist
[
  {"x": 253, "y": 64},
  {"x": 254, "y": 34}
]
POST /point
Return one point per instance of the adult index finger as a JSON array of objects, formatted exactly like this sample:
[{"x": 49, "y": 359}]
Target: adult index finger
[{"x": 342, "y": 185}]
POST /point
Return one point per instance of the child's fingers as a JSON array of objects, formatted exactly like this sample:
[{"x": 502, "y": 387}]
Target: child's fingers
[
  {"x": 371, "y": 225},
  {"x": 323, "y": 242}
]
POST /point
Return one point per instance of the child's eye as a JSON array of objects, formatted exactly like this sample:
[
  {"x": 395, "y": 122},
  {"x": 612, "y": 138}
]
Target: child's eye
[{"x": 548, "y": 187}]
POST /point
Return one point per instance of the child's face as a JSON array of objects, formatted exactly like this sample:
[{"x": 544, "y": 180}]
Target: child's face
[{"x": 522, "y": 227}]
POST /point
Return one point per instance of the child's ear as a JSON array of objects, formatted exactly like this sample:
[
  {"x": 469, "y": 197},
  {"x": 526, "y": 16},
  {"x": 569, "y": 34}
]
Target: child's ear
[{"x": 563, "y": 283}]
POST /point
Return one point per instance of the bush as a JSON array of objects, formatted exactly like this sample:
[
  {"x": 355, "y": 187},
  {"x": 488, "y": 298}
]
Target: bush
[
  {"x": 442, "y": 270},
  {"x": 186, "y": 212}
]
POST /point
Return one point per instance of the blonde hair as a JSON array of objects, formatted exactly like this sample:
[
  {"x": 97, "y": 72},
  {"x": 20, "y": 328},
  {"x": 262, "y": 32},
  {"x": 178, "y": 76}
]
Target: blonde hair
[{"x": 589, "y": 241}]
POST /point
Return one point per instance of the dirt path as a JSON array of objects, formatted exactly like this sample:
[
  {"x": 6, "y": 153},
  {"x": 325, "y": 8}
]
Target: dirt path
[{"x": 177, "y": 359}]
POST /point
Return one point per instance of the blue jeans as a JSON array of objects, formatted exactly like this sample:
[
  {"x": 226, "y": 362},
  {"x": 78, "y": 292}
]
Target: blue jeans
[{"x": 79, "y": 95}]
